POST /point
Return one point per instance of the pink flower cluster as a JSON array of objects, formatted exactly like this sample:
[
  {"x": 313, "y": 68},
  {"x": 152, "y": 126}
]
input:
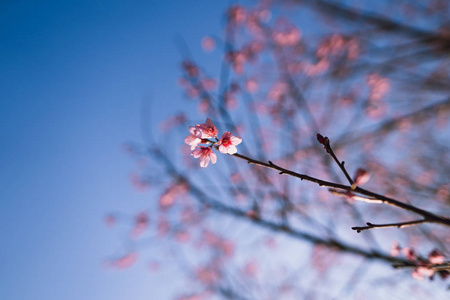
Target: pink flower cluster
[{"x": 207, "y": 134}]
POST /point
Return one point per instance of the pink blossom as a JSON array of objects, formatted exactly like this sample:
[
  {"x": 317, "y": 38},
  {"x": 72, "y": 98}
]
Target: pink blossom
[
  {"x": 205, "y": 154},
  {"x": 207, "y": 275},
  {"x": 138, "y": 182},
  {"x": 236, "y": 14},
  {"x": 190, "y": 68},
  {"x": 207, "y": 130},
  {"x": 251, "y": 85},
  {"x": 124, "y": 262},
  {"x": 140, "y": 224},
  {"x": 251, "y": 268},
  {"x": 420, "y": 272},
  {"x": 228, "y": 142},
  {"x": 395, "y": 249},
  {"x": 192, "y": 139},
  {"x": 436, "y": 257},
  {"x": 110, "y": 220},
  {"x": 208, "y": 44},
  {"x": 409, "y": 253}
]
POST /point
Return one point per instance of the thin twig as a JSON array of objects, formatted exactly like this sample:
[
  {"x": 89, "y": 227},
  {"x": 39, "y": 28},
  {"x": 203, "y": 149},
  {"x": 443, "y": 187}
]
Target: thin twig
[
  {"x": 355, "y": 197},
  {"x": 398, "y": 225},
  {"x": 327, "y": 146}
]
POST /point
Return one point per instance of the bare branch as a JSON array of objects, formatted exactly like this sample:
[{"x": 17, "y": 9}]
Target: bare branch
[
  {"x": 398, "y": 225},
  {"x": 428, "y": 216}
]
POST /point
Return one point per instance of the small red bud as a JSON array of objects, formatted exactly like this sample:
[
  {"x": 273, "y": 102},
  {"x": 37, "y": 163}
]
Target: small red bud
[
  {"x": 320, "y": 138},
  {"x": 361, "y": 177}
]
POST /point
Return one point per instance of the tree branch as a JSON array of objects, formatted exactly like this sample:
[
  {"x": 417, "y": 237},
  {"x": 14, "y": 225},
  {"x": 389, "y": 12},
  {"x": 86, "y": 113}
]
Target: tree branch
[
  {"x": 398, "y": 225},
  {"x": 428, "y": 216}
]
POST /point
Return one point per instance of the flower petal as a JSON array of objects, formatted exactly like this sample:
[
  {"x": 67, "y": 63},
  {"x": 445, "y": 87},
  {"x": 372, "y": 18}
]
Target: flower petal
[
  {"x": 232, "y": 149},
  {"x": 213, "y": 157}
]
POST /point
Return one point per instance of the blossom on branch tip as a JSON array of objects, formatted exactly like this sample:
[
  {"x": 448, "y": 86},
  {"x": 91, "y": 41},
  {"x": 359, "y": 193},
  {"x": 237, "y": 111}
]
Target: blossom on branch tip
[
  {"x": 205, "y": 154},
  {"x": 207, "y": 130},
  {"x": 227, "y": 143}
]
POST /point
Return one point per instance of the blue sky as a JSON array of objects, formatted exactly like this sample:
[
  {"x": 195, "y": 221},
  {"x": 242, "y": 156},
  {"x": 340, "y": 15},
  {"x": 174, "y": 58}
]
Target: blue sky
[{"x": 72, "y": 78}]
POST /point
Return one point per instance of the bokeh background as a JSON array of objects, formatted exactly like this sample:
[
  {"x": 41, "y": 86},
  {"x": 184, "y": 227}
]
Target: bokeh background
[
  {"x": 80, "y": 80},
  {"x": 73, "y": 76}
]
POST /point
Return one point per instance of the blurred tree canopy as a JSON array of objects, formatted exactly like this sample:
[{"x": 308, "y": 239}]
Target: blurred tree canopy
[{"x": 280, "y": 219}]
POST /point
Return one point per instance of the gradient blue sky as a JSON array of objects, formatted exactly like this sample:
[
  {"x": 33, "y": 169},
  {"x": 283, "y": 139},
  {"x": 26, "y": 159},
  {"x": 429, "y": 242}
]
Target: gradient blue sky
[{"x": 72, "y": 78}]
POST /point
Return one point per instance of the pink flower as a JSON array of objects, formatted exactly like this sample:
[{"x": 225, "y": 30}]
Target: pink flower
[
  {"x": 395, "y": 249},
  {"x": 124, "y": 262},
  {"x": 207, "y": 130},
  {"x": 436, "y": 257},
  {"x": 420, "y": 272},
  {"x": 208, "y": 44},
  {"x": 192, "y": 139},
  {"x": 228, "y": 142},
  {"x": 205, "y": 154}
]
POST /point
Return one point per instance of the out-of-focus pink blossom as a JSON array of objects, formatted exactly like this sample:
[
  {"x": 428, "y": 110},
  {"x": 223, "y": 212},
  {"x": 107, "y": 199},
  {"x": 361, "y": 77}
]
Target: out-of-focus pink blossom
[
  {"x": 361, "y": 177},
  {"x": 163, "y": 227},
  {"x": 208, "y": 44},
  {"x": 409, "y": 253},
  {"x": 138, "y": 182},
  {"x": 436, "y": 257},
  {"x": 236, "y": 14},
  {"x": 270, "y": 243},
  {"x": 252, "y": 214},
  {"x": 207, "y": 275},
  {"x": 227, "y": 143},
  {"x": 376, "y": 109},
  {"x": 166, "y": 200},
  {"x": 190, "y": 68},
  {"x": 123, "y": 262},
  {"x": 250, "y": 268},
  {"x": 288, "y": 37},
  {"x": 205, "y": 154},
  {"x": 140, "y": 224},
  {"x": 153, "y": 266},
  {"x": 182, "y": 236},
  {"x": 192, "y": 139},
  {"x": 206, "y": 130},
  {"x": 315, "y": 69},
  {"x": 251, "y": 85},
  {"x": 421, "y": 272},
  {"x": 395, "y": 249},
  {"x": 227, "y": 248},
  {"x": 110, "y": 220},
  {"x": 230, "y": 100},
  {"x": 379, "y": 86},
  {"x": 237, "y": 60},
  {"x": 209, "y": 84},
  {"x": 204, "y": 105},
  {"x": 278, "y": 91}
]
